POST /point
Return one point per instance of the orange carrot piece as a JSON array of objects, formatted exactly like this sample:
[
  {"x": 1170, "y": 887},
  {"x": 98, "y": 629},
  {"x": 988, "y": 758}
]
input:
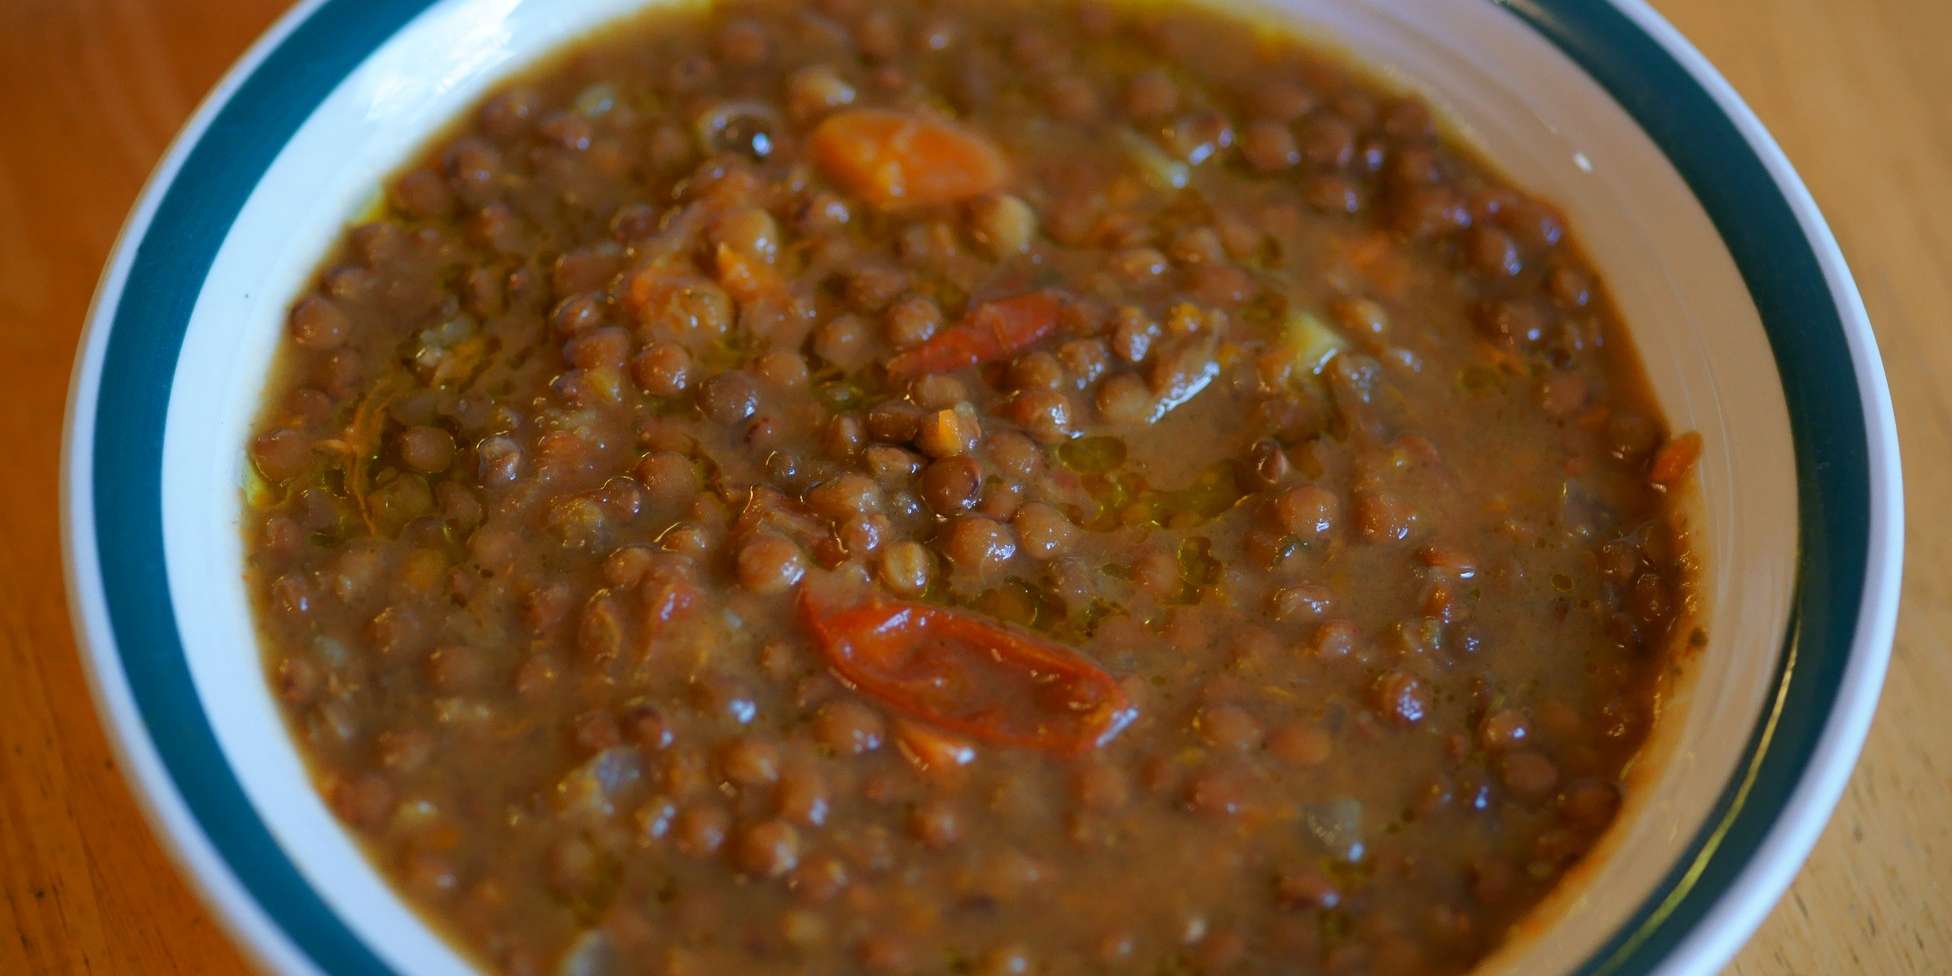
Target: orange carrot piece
[
  {"x": 994, "y": 330},
  {"x": 1675, "y": 459},
  {"x": 899, "y": 159},
  {"x": 1375, "y": 256},
  {"x": 651, "y": 287},
  {"x": 1365, "y": 251},
  {"x": 744, "y": 278}
]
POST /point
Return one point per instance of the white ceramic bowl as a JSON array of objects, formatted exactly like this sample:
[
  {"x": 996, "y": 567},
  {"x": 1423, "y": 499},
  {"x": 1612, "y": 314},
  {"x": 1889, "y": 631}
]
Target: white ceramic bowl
[{"x": 1732, "y": 286}]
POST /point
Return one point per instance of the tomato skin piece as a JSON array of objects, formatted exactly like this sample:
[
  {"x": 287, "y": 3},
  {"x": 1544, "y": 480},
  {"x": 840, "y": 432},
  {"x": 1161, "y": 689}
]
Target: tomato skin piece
[
  {"x": 964, "y": 674},
  {"x": 901, "y": 159},
  {"x": 667, "y": 600},
  {"x": 993, "y": 330}
]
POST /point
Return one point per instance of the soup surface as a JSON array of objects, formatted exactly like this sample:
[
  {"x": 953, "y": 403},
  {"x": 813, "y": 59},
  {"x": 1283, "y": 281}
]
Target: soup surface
[{"x": 964, "y": 487}]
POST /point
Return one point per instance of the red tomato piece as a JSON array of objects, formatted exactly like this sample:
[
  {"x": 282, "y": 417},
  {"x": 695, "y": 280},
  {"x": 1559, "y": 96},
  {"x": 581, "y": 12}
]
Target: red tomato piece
[
  {"x": 994, "y": 330},
  {"x": 969, "y": 676}
]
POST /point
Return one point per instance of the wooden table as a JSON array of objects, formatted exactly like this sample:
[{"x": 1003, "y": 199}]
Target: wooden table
[{"x": 91, "y": 91}]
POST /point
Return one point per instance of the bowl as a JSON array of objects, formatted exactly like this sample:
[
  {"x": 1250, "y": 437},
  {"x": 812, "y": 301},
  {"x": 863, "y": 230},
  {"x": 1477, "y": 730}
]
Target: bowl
[{"x": 1749, "y": 325}]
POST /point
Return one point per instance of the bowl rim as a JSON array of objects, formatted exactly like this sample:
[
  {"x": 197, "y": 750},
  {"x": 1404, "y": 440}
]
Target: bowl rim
[{"x": 1770, "y": 813}]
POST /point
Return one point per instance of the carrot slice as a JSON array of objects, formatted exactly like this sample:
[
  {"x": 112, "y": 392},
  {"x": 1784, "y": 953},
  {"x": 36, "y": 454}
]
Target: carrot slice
[
  {"x": 1379, "y": 259},
  {"x": 744, "y": 278},
  {"x": 994, "y": 330},
  {"x": 962, "y": 673},
  {"x": 1675, "y": 459},
  {"x": 896, "y": 159}
]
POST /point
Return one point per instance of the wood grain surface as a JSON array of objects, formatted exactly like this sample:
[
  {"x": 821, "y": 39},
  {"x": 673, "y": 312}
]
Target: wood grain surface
[{"x": 92, "y": 90}]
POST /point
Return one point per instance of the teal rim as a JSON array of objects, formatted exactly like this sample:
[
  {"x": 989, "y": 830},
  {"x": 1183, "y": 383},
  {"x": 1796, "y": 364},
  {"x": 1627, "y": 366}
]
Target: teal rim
[
  {"x": 1827, "y": 423},
  {"x": 1783, "y": 272}
]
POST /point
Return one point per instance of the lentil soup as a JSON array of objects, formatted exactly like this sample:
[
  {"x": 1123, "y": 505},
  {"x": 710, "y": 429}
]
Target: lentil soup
[{"x": 964, "y": 487}]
